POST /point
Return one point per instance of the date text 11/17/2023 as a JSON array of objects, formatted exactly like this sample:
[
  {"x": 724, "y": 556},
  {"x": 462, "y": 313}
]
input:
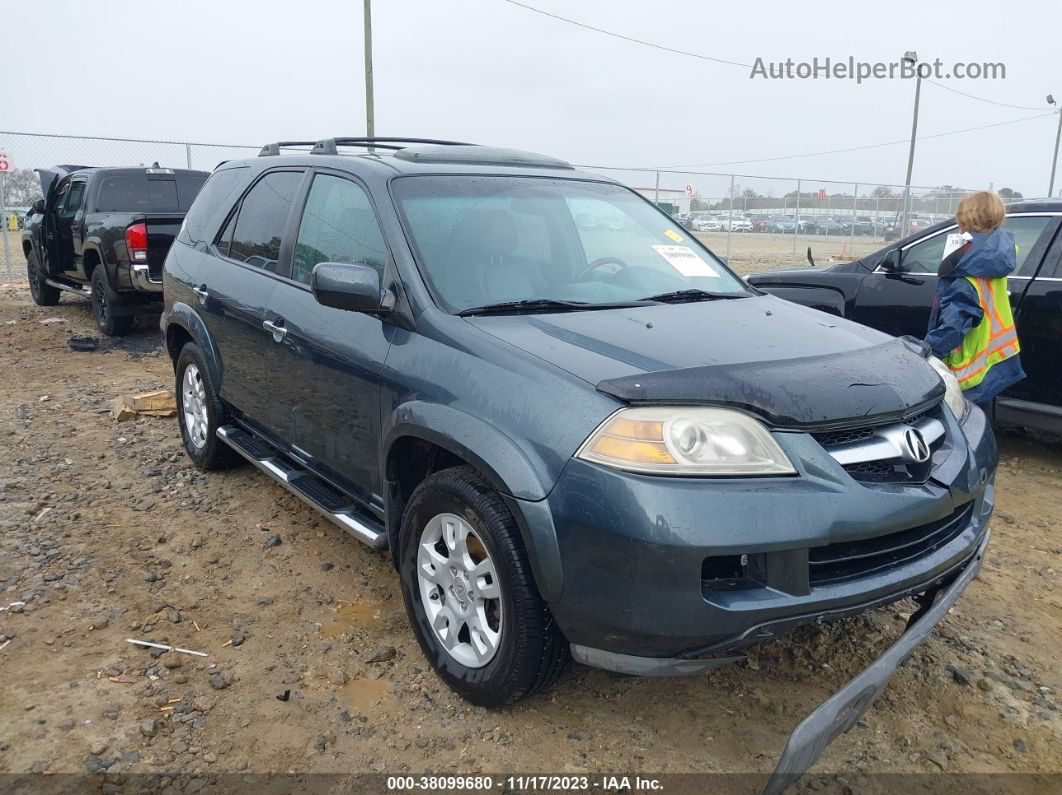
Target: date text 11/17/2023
[{"x": 523, "y": 783}]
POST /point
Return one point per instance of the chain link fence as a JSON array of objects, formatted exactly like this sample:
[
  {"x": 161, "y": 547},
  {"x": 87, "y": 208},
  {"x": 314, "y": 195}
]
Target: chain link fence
[{"x": 757, "y": 223}]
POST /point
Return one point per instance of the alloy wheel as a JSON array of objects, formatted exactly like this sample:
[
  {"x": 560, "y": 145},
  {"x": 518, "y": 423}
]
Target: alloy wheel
[
  {"x": 194, "y": 406},
  {"x": 459, "y": 589}
]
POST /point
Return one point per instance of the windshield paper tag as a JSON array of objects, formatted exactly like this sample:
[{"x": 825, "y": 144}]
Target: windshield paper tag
[
  {"x": 673, "y": 235},
  {"x": 685, "y": 261}
]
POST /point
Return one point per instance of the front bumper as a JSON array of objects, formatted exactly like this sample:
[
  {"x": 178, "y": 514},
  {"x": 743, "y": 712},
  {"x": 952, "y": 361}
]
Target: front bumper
[
  {"x": 632, "y": 547},
  {"x": 843, "y": 709}
]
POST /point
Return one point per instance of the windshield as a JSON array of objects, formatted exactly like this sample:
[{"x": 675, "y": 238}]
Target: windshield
[{"x": 488, "y": 240}]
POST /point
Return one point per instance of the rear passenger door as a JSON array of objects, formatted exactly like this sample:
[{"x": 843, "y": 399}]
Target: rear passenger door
[
  {"x": 326, "y": 376},
  {"x": 1037, "y": 301},
  {"x": 235, "y": 289}
]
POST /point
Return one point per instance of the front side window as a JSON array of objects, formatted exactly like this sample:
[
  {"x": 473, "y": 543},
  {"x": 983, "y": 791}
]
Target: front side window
[
  {"x": 260, "y": 223},
  {"x": 338, "y": 225},
  {"x": 926, "y": 255},
  {"x": 73, "y": 199},
  {"x": 496, "y": 239}
]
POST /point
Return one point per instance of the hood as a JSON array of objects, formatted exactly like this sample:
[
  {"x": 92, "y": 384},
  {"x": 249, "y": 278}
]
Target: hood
[
  {"x": 50, "y": 177},
  {"x": 791, "y": 365},
  {"x": 990, "y": 255}
]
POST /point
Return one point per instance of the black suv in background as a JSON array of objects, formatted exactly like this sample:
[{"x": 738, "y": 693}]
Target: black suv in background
[
  {"x": 103, "y": 233},
  {"x": 574, "y": 428},
  {"x": 892, "y": 290}
]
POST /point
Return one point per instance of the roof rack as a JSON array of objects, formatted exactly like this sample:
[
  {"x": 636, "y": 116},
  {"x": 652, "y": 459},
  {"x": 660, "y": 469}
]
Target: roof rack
[
  {"x": 274, "y": 149},
  {"x": 328, "y": 146}
]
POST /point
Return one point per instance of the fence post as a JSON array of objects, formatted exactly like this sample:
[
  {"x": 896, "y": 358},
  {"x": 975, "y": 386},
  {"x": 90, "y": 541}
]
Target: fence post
[
  {"x": 730, "y": 220},
  {"x": 796, "y": 221},
  {"x": 656, "y": 191},
  {"x": 188, "y": 155},
  {"x": 851, "y": 231},
  {"x": 3, "y": 216}
]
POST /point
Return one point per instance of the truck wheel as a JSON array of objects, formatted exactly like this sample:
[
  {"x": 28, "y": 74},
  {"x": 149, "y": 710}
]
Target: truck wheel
[
  {"x": 41, "y": 293},
  {"x": 470, "y": 594},
  {"x": 104, "y": 302},
  {"x": 199, "y": 412}
]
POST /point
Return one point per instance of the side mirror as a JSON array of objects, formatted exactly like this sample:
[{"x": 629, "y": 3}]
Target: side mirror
[
  {"x": 354, "y": 287},
  {"x": 891, "y": 261},
  {"x": 37, "y": 207}
]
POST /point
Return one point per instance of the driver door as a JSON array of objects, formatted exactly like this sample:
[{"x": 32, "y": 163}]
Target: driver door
[{"x": 899, "y": 302}]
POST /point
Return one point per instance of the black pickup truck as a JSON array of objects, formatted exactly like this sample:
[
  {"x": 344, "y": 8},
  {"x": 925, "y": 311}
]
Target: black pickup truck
[{"x": 103, "y": 233}]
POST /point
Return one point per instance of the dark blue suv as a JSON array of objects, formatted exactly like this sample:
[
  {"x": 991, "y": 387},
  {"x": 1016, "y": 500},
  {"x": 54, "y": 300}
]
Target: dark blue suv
[{"x": 574, "y": 428}]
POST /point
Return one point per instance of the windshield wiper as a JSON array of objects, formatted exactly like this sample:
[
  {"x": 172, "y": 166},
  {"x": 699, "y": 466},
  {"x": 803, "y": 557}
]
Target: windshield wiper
[
  {"x": 546, "y": 305},
  {"x": 694, "y": 294}
]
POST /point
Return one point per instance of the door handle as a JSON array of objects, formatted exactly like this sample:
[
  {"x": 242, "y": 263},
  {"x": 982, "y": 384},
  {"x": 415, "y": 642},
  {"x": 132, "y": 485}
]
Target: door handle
[
  {"x": 202, "y": 292},
  {"x": 278, "y": 332}
]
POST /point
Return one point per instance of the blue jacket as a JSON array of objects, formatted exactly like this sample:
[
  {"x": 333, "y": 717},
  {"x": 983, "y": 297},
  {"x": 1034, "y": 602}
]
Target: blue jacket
[{"x": 956, "y": 309}]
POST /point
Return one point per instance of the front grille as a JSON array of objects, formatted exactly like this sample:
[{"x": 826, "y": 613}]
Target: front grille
[
  {"x": 845, "y": 560},
  {"x": 833, "y": 438},
  {"x": 880, "y": 471}
]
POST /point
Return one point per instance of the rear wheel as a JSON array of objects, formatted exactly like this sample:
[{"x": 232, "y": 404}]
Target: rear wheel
[
  {"x": 199, "y": 412},
  {"x": 42, "y": 294},
  {"x": 470, "y": 594},
  {"x": 106, "y": 306}
]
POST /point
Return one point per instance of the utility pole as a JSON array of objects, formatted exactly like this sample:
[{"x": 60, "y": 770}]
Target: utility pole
[
  {"x": 370, "y": 120},
  {"x": 1054, "y": 160},
  {"x": 912, "y": 57}
]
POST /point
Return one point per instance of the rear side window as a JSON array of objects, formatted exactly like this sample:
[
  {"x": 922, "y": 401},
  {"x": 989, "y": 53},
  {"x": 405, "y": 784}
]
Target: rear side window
[
  {"x": 261, "y": 220},
  {"x": 147, "y": 193},
  {"x": 211, "y": 198},
  {"x": 338, "y": 225}
]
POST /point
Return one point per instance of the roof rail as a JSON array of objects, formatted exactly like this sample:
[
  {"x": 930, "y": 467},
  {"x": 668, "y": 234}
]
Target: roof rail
[
  {"x": 328, "y": 146},
  {"x": 274, "y": 149}
]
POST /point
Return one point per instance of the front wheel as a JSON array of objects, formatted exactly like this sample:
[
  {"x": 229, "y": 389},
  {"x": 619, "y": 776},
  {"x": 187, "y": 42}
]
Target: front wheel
[
  {"x": 43, "y": 294},
  {"x": 470, "y": 593}
]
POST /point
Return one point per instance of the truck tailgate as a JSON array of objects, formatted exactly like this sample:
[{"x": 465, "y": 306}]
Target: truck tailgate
[{"x": 162, "y": 228}]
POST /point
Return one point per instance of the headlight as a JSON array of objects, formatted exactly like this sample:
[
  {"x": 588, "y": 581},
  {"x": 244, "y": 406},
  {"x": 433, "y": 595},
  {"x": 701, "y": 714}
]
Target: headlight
[
  {"x": 667, "y": 440},
  {"x": 953, "y": 395}
]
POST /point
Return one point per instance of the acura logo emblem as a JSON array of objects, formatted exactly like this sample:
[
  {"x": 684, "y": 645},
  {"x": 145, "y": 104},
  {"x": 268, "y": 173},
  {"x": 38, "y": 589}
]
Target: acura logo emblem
[{"x": 917, "y": 449}]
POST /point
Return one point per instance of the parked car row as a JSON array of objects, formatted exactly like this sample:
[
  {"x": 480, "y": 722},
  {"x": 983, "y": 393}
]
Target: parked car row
[
  {"x": 389, "y": 337},
  {"x": 828, "y": 225}
]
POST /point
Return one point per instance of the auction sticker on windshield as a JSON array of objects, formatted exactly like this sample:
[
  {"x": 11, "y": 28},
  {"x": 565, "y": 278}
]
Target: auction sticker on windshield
[{"x": 685, "y": 261}]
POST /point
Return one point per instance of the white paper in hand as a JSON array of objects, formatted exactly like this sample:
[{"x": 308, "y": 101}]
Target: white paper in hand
[{"x": 955, "y": 241}]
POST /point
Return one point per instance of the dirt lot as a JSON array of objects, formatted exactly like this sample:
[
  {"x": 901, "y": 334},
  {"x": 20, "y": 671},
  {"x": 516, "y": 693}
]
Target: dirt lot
[{"x": 108, "y": 533}]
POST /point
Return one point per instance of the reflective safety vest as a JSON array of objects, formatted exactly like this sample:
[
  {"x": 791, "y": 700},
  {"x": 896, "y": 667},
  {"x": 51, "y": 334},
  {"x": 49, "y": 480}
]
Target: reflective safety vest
[{"x": 991, "y": 341}]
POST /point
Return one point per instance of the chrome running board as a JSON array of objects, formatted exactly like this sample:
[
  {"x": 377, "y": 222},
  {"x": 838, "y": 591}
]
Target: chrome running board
[
  {"x": 315, "y": 492},
  {"x": 83, "y": 292}
]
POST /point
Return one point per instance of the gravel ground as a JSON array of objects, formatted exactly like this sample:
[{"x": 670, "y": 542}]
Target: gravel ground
[{"x": 107, "y": 532}]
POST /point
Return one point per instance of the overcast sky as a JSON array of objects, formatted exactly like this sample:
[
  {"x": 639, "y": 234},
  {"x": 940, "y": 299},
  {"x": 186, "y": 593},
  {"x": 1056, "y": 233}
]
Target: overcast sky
[{"x": 251, "y": 71}]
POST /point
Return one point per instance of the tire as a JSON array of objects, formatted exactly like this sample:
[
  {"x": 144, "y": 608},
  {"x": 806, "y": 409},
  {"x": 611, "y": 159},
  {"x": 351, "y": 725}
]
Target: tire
[
  {"x": 199, "y": 412},
  {"x": 104, "y": 302},
  {"x": 529, "y": 652},
  {"x": 42, "y": 294}
]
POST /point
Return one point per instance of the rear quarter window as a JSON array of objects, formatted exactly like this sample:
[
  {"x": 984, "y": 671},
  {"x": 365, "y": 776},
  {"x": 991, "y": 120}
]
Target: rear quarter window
[{"x": 198, "y": 226}]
